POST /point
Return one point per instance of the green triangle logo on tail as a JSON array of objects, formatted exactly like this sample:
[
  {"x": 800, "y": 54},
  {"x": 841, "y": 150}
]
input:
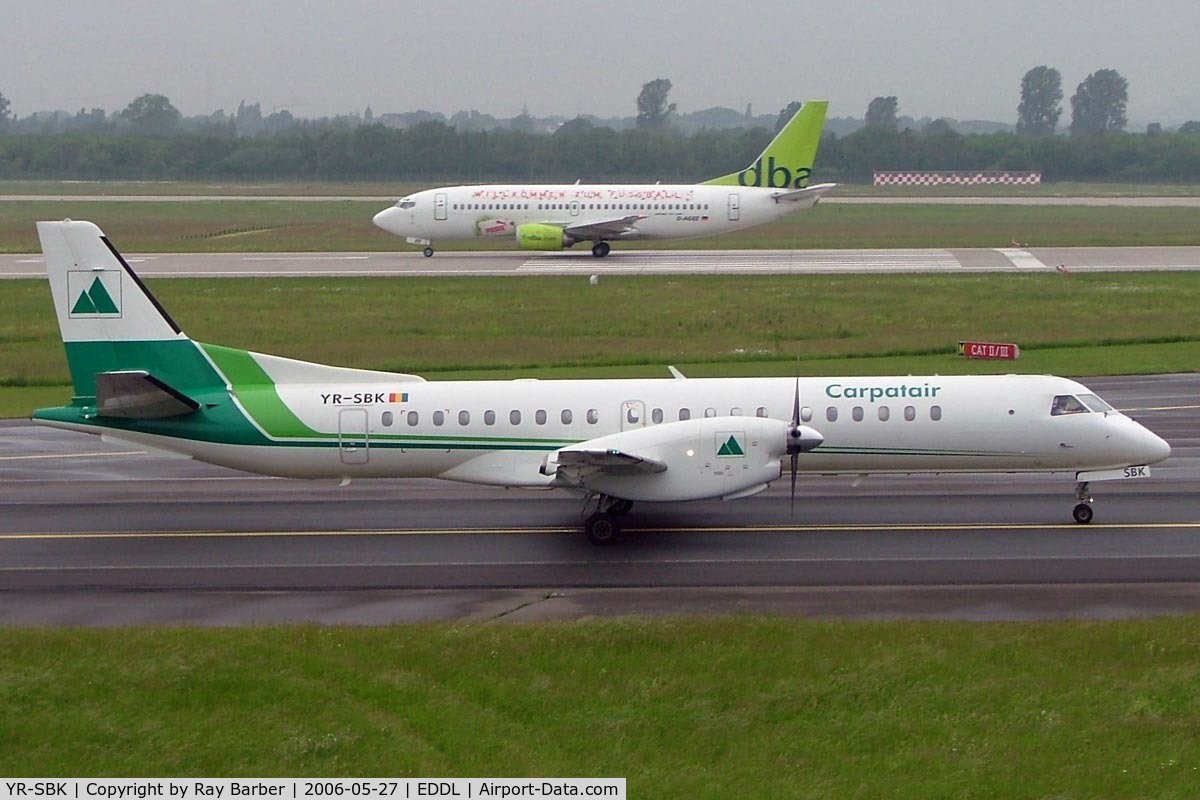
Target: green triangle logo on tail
[
  {"x": 95, "y": 300},
  {"x": 731, "y": 448}
]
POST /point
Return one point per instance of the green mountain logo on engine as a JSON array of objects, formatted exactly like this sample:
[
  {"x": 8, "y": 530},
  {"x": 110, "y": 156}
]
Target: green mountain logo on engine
[
  {"x": 96, "y": 294},
  {"x": 731, "y": 445}
]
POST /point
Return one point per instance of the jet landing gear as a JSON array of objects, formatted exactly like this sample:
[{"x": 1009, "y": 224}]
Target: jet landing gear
[
  {"x": 419, "y": 241},
  {"x": 1083, "y": 511},
  {"x": 604, "y": 525},
  {"x": 600, "y": 249}
]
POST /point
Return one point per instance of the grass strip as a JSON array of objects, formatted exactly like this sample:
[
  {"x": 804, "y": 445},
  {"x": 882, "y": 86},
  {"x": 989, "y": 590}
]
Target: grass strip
[
  {"x": 729, "y": 707},
  {"x": 1078, "y": 324}
]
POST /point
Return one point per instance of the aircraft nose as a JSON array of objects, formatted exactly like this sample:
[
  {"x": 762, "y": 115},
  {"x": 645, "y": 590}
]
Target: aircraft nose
[
  {"x": 1156, "y": 448},
  {"x": 389, "y": 220}
]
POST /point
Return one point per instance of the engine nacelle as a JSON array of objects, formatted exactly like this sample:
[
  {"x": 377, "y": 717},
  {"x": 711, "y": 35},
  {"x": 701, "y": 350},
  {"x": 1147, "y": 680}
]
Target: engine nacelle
[
  {"x": 704, "y": 458},
  {"x": 540, "y": 236}
]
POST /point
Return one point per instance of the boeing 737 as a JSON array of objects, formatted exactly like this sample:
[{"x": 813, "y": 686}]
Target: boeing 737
[
  {"x": 549, "y": 217},
  {"x": 139, "y": 379}
]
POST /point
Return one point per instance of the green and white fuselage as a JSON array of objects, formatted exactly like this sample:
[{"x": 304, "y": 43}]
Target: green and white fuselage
[
  {"x": 551, "y": 217},
  {"x": 139, "y": 378}
]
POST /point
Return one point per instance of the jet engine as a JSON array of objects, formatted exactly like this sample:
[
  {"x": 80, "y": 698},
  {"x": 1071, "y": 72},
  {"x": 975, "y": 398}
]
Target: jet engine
[
  {"x": 725, "y": 457},
  {"x": 540, "y": 236}
]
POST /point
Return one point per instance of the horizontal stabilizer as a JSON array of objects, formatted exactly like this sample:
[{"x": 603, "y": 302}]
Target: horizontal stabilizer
[
  {"x": 136, "y": 394},
  {"x": 807, "y": 197}
]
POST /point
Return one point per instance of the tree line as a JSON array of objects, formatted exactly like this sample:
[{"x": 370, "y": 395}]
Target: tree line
[{"x": 145, "y": 142}]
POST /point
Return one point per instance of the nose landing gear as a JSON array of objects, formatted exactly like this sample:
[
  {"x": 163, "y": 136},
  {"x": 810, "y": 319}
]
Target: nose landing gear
[{"x": 1082, "y": 512}]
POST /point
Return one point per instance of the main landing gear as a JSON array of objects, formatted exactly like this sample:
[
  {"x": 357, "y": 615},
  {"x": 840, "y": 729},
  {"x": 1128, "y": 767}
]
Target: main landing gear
[
  {"x": 1082, "y": 512},
  {"x": 604, "y": 525},
  {"x": 600, "y": 249},
  {"x": 428, "y": 251}
]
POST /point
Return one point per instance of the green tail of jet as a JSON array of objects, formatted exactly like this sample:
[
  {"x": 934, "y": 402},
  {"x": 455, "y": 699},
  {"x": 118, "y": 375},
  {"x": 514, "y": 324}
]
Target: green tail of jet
[{"x": 787, "y": 162}]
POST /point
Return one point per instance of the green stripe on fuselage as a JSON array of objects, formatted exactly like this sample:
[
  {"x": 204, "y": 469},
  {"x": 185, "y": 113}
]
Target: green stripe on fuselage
[{"x": 256, "y": 392}]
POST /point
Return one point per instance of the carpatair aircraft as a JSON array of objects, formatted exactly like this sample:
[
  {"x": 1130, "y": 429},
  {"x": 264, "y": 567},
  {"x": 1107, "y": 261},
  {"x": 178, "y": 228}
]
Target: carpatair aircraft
[
  {"x": 138, "y": 378},
  {"x": 551, "y": 217}
]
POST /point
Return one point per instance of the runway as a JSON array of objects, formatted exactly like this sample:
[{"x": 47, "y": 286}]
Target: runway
[
  {"x": 94, "y": 534},
  {"x": 641, "y": 262}
]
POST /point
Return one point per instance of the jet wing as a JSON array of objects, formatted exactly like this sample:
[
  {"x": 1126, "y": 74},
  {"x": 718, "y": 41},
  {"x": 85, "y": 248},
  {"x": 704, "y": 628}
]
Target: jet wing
[
  {"x": 806, "y": 198},
  {"x": 605, "y": 229},
  {"x": 575, "y": 466},
  {"x": 608, "y": 461},
  {"x": 136, "y": 394}
]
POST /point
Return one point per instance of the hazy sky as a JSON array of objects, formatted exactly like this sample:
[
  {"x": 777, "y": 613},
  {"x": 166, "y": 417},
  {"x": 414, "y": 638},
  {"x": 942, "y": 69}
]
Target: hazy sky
[{"x": 960, "y": 59}]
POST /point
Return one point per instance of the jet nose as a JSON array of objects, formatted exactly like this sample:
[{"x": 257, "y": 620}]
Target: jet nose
[
  {"x": 1156, "y": 448},
  {"x": 389, "y": 220}
]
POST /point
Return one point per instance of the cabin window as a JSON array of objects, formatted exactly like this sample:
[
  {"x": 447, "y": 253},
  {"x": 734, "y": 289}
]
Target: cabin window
[
  {"x": 935, "y": 413},
  {"x": 735, "y": 411},
  {"x": 386, "y": 418},
  {"x": 885, "y": 413},
  {"x": 464, "y": 418},
  {"x": 910, "y": 413},
  {"x": 761, "y": 411},
  {"x": 539, "y": 416},
  {"x": 857, "y": 413},
  {"x": 684, "y": 414},
  {"x": 489, "y": 417},
  {"x": 805, "y": 414},
  {"x": 439, "y": 417},
  {"x": 413, "y": 419},
  {"x": 1067, "y": 404},
  {"x": 632, "y": 416},
  {"x": 566, "y": 416},
  {"x": 831, "y": 413},
  {"x": 593, "y": 416},
  {"x": 710, "y": 412},
  {"x": 656, "y": 416},
  {"x": 514, "y": 417}
]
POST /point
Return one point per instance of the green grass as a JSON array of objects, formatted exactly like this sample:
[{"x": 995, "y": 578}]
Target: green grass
[
  {"x": 1078, "y": 324},
  {"x": 345, "y": 225},
  {"x": 729, "y": 707}
]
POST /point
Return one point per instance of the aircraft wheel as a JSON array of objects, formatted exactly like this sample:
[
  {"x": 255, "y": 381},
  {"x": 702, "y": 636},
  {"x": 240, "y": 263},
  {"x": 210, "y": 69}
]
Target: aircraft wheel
[
  {"x": 1082, "y": 513},
  {"x": 600, "y": 249},
  {"x": 428, "y": 252},
  {"x": 601, "y": 529}
]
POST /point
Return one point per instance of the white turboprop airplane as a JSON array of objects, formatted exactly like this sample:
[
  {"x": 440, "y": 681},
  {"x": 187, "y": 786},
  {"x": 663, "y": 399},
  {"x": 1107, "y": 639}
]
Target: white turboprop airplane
[
  {"x": 138, "y": 378},
  {"x": 551, "y": 217}
]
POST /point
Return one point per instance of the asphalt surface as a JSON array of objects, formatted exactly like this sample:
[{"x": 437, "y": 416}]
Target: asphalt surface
[
  {"x": 640, "y": 262},
  {"x": 101, "y": 534}
]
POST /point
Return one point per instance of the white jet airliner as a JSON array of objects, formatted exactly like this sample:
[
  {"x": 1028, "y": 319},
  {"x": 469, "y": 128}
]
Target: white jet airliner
[
  {"x": 550, "y": 217},
  {"x": 138, "y": 378}
]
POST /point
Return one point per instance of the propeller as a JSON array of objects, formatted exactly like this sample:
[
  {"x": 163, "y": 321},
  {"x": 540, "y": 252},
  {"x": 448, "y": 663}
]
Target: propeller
[{"x": 800, "y": 439}]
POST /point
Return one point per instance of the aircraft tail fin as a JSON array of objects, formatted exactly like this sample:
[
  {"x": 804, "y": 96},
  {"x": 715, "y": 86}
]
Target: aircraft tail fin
[
  {"x": 788, "y": 160},
  {"x": 112, "y": 325}
]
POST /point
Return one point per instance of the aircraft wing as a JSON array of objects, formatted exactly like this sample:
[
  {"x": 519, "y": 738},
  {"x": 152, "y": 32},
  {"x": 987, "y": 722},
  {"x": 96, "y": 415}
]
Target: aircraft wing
[
  {"x": 807, "y": 197},
  {"x": 607, "y": 460},
  {"x": 605, "y": 229},
  {"x": 136, "y": 394}
]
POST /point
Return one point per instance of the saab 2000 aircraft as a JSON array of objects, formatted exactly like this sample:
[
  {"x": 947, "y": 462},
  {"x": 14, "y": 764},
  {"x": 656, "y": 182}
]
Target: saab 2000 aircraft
[
  {"x": 138, "y": 378},
  {"x": 550, "y": 217}
]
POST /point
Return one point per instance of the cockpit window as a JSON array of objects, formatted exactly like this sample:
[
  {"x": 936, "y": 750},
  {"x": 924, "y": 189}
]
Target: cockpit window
[
  {"x": 1094, "y": 403},
  {"x": 406, "y": 203},
  {"x": 1067, "y": 404}
]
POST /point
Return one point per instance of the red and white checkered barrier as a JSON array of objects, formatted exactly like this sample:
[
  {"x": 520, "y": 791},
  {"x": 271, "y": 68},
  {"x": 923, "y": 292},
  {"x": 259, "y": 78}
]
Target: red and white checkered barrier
[{"x": 963, "y": 178}]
